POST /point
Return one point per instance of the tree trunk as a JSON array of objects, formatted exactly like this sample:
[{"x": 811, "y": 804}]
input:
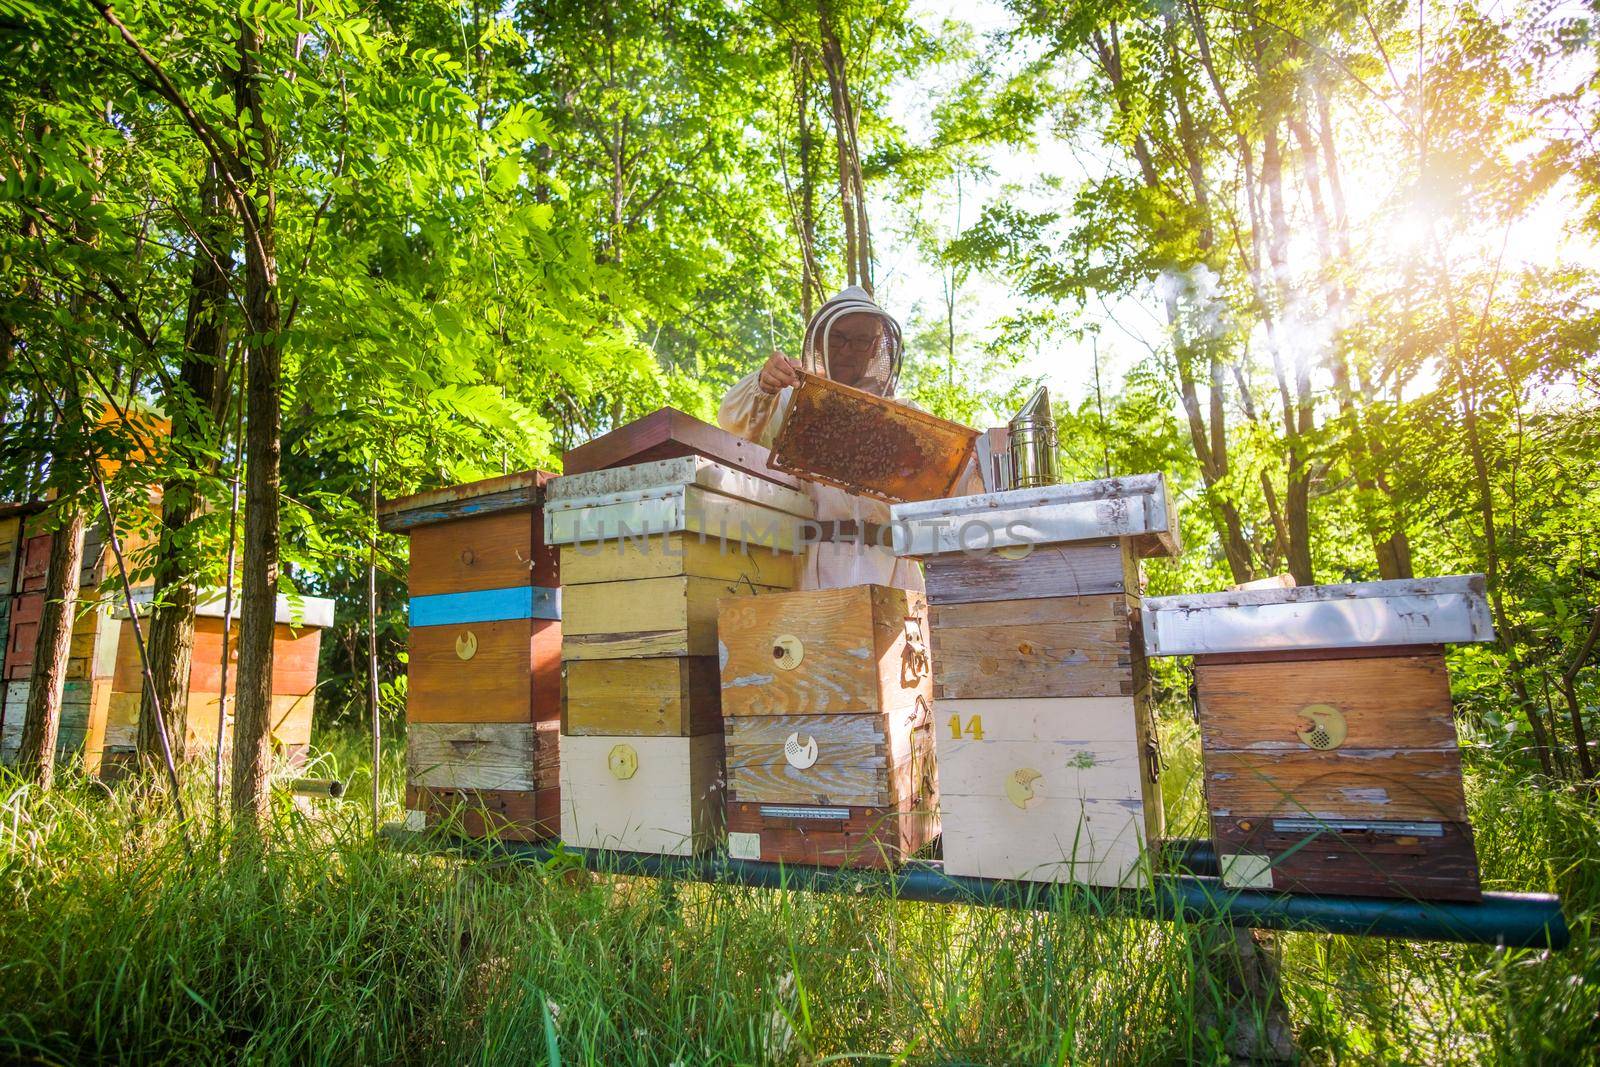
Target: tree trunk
[
  {"x": 1390, "y": 547},
  {"x": 1224, "y": 512},
  {"x": 195, "y": 409},
  {"x": 1252, "y": 263},
  {"x": 852, "y": 188},
  {"x": 1297, "y": 405},
  {"x": 41, "y": 724},
  {"x": 372, "y": 659},
  {"x": 259, "y": 587},
  {"x": 1209, "y": 440},
  {"x": 811, "y": 293}
]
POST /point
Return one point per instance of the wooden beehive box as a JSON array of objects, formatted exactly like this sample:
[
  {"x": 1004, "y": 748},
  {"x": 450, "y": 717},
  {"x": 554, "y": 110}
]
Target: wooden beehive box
[
  {"x": 648, "y": 550},
  {"x": 11, "y": 546},
  {"x": 86, "y": 693},
  {"x": 826, "y": 699},
  {"x": 1047, "y": 790},
  {"x": 484, "y": 688},
  {"x": 1330, "y": 751},
  {"x": 1046, "y": 746},
  {"x": 642, "y": 794},
  {"x": 297, "y": 642}
]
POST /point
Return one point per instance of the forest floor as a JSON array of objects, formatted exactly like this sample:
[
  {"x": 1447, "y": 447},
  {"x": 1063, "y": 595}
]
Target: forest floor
[{"x": 115, "y": 946}]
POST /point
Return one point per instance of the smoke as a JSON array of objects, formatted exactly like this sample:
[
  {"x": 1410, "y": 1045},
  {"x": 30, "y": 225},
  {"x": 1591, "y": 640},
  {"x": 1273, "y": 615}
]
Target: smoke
[{"x": 1197, "y": 293}]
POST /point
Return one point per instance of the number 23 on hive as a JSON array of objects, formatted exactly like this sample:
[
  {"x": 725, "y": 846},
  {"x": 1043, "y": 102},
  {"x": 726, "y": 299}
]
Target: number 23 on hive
[{"x": 973, "y": 730}]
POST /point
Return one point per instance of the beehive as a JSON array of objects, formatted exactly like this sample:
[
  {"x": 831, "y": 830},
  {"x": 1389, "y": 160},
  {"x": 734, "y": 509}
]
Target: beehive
[
  {"x": 647, "y": 551},
  {"x": 1046, "y": 745},
  {"x": 1330, "y": 751},
  {"x": 86, "y": 694},
  {"x": 297, "y": 641},
  {"x": 826, "y": 698},
  {"x": 25, "y": 544},
  {"x": 484, "y": 675},
  {"x": 11, "y": 542}
]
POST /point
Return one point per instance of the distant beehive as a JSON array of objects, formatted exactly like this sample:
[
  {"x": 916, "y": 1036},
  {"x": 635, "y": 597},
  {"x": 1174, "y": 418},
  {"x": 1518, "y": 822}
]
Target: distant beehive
[
  {"x": 1046, "y": 743},
  {"x": 647, "y": 551},
  {"x": 826, "y": 697},
  {"x": 1331, "y": 759},
  {"x": 25, "y": 545},
  {"x": 296, "y": 645},
  {"x": 482, "y": 703},
  {"x": 24, "y": 565}
]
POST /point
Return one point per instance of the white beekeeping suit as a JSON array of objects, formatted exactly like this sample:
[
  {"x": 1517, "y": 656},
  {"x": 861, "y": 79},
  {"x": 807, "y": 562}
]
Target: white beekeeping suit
[{"x": 756, "y": 415}]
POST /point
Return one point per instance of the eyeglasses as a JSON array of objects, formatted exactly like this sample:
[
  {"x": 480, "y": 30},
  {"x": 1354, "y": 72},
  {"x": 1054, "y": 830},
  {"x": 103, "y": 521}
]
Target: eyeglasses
[{"x": 859, "y": 341}]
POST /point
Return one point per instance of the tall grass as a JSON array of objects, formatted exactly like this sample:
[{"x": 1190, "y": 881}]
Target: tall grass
[{"x": 117, "y": 946}]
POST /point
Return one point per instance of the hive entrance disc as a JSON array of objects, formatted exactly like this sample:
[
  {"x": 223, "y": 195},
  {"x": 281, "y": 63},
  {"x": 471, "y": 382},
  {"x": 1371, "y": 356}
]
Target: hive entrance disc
[
  {"x": 1322, "y": 727},
  {"x": 788, "y": 651}
]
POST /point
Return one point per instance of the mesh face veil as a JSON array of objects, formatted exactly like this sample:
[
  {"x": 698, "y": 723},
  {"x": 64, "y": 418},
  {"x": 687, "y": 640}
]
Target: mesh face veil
[{"x": 841, "y": 341}]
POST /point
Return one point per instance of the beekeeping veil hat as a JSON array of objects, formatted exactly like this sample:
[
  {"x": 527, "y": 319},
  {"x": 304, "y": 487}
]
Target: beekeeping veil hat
[{"x": 880, "y": 367}]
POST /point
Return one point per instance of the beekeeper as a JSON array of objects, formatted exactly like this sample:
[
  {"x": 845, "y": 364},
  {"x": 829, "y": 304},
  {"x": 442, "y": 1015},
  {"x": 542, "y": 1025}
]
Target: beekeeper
[{"x": 854, "y": 342}]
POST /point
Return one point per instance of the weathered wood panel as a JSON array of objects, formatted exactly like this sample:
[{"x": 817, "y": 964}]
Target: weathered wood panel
[
  {"x": 11, "y": 727},
  {"x": 1439, "y": 864},
  {"x": 1136, "y": 507},
  {"x": 824, "y": 652},
  {"x": 650, "y": 617},
  {"x": 1068, "y": 783},
  {"x": 668, "y": 433},
  {"x": 676, "y": 509},
  {"x": 828, "y": 837},
  {"x": 1366, "y": 784},
  {"x": 521, "y": 491},
  {"x": 481, "y": 552},
  {"x": 24, "y": 635},
  {"x": 1412, "y": 611},
  {"x": 494, "y": 756},
  {"x": 122, "y": 720},
  {"x": 1086, "y": 719},
  {"x": 294, "y": 658},
  {"x": 671, "y": 697},
  {"x": 10, "y": 553},
  {"x": 1036, "y": 655},
  {"x": 1301, "y": 655},
  {"x": 669, "y": 477},
  {"x": 95, "y": 727},
  {"x": 856, "y": 760},
  {"x": 291, "y": 717},
  {"x": 672, "y": 555},
  {"x": 1342, "y": 772},
  {"x": 1387, "y": 703},
  {"x": 670, "y": 803},
  {"x": 478, "y": 813},
  {"x": 289, "y": 722},
  {"x": 512, "y": 674},
  {"x": 35, "y": 562},
  {"x": 1093, "y": 568},
  {"x": 127, "y": 676},
  {"x": 1064, "y": 840},
  {"x": 75, "y": 701},
  {"x": 1043, "y": 770}
]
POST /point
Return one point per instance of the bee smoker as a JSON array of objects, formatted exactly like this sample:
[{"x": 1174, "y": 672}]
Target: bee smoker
[{"x": 1033, "y": 443}]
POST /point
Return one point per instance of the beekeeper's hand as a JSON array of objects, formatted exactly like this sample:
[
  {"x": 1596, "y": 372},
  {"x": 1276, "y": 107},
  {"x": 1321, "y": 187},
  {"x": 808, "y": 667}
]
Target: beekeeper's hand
[{"x": 778, "y": 372}]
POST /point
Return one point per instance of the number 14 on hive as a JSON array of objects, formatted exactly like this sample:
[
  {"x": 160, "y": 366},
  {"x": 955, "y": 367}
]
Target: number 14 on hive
[{"x": 973, "y": 730}]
